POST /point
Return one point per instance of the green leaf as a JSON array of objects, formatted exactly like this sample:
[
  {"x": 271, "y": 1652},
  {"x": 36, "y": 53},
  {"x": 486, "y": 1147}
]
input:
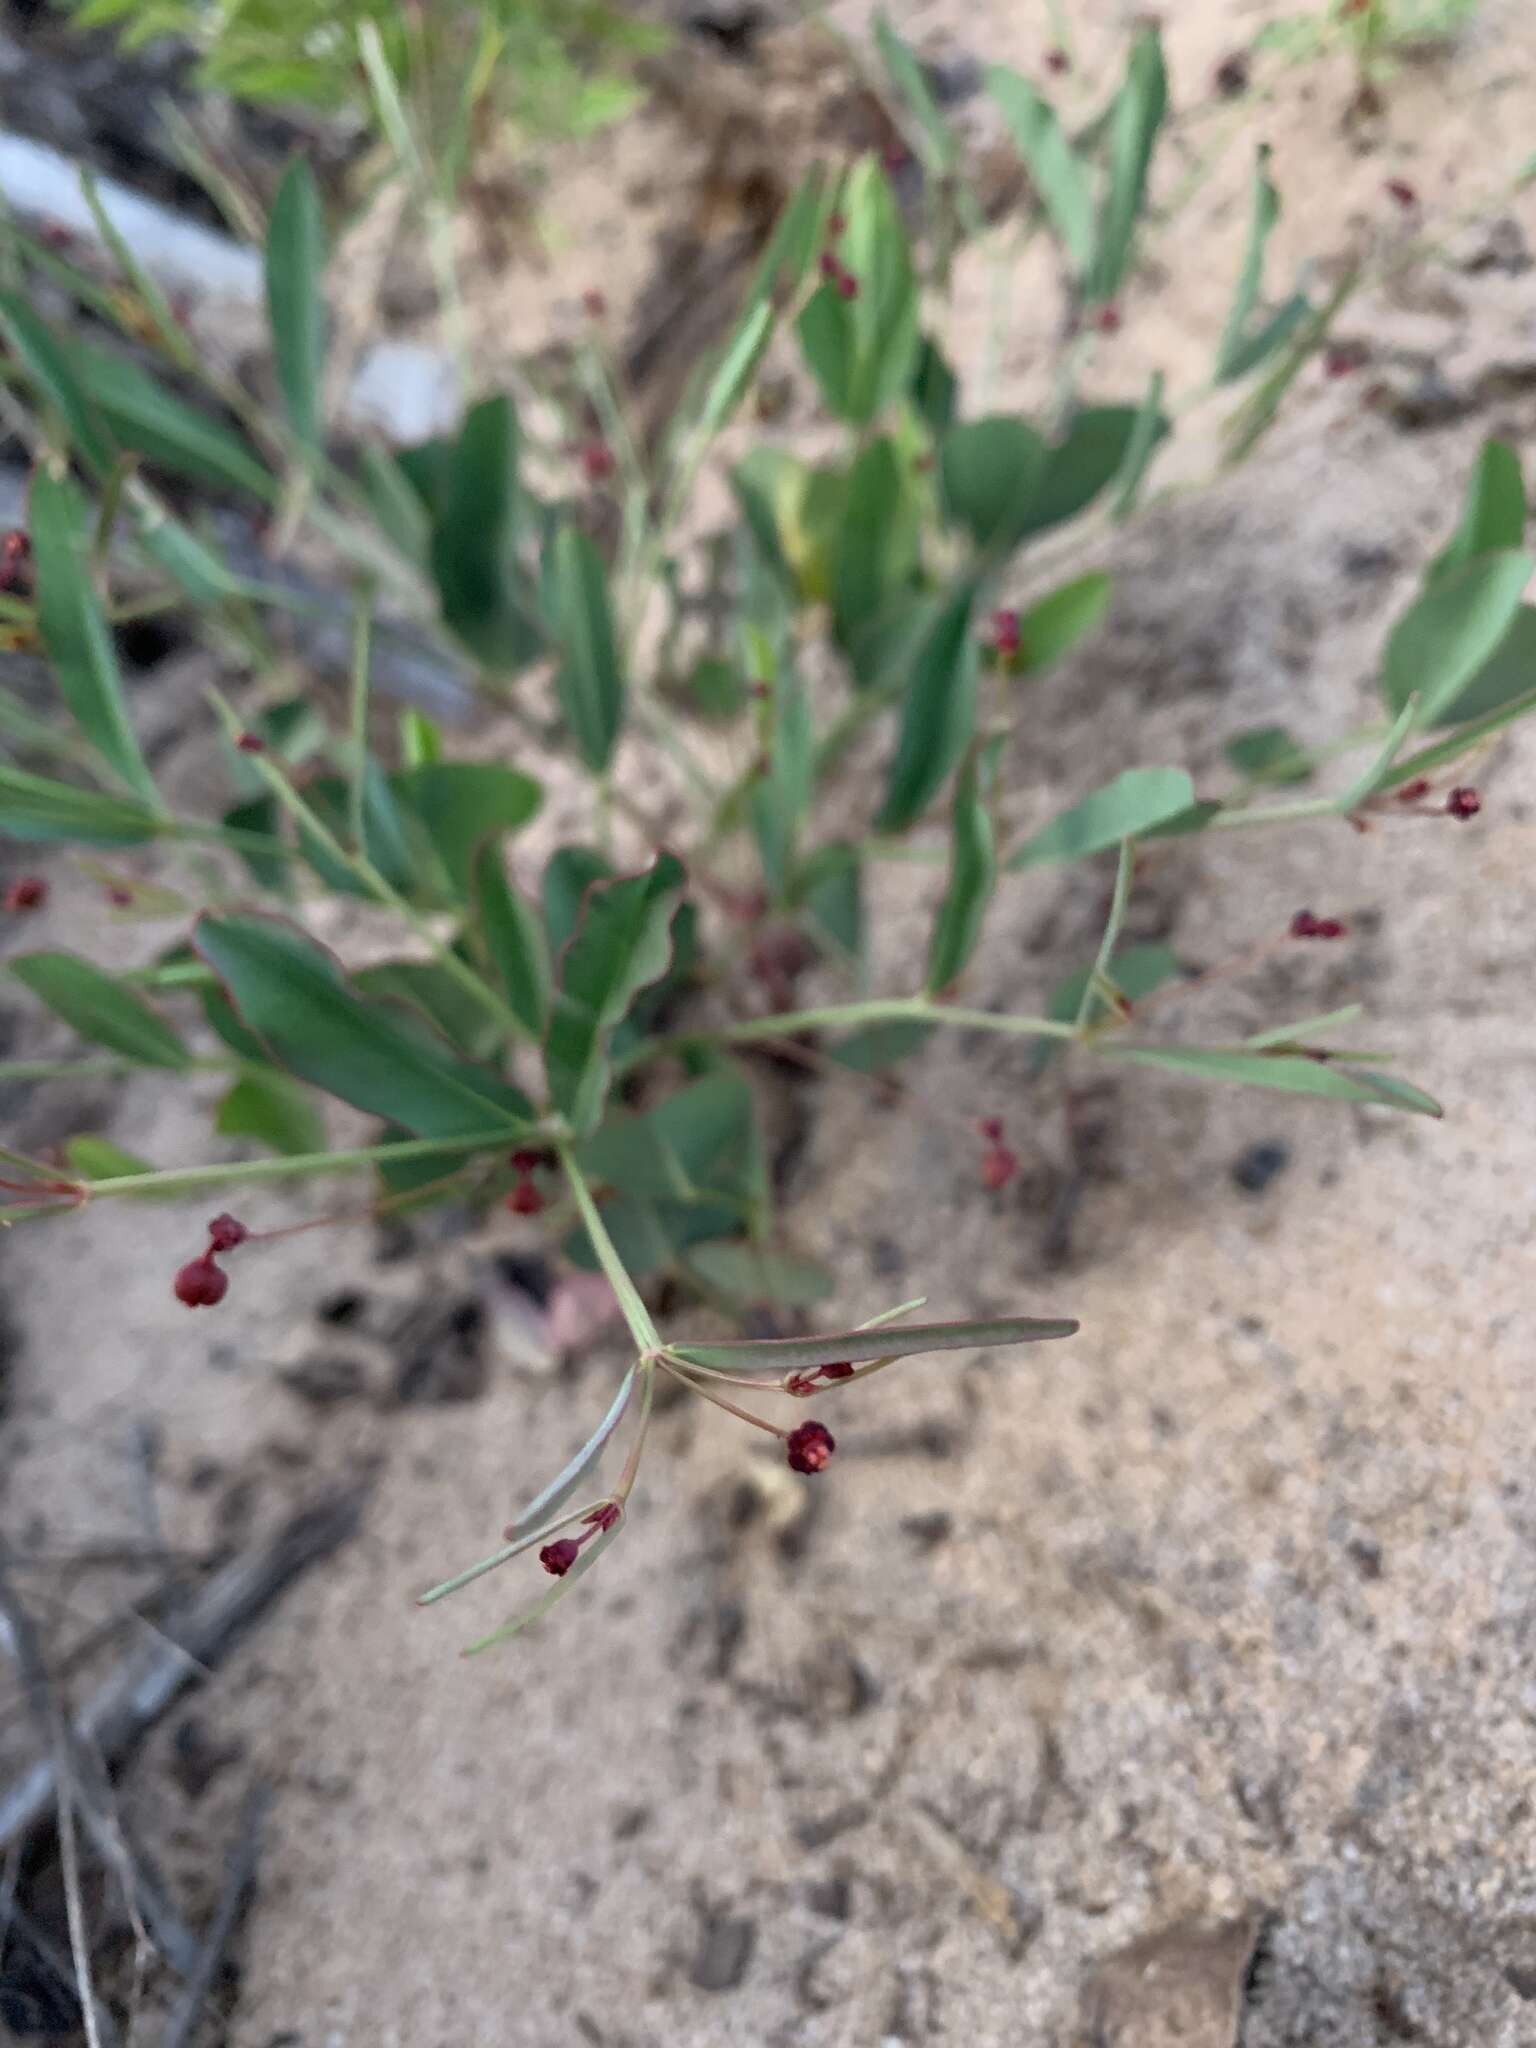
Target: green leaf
[
  {"x": 1451, "y": 631},
  {"x": 1137, "y": 115},
  {"x": 485, "y": 595},
  {"x": 694, "y": 1146},
  {"x": 796, "y": 240},
  {"x": 749, "y": 1274},
  {"x": 295, "y": 262},
  {"x": 972, "y": 876},
  {"x": 1268, "y": 754},
  {"x": 876, "y": 549},
  {"x": 774, "y": 1356},
  {"x": 829, "y": 891},
  {"x": 1232, "y": 349},
  {"x": 1133, "y": 803},
  {"x": 569, "y": 873},
  {"x": 940, "y": 149},
  {"x": 935, "y": 388},
  {"x": 151, "y": 421},
  {"x": 394, "y": 501},
  {"x": 715, "y": 688},
  {"x": 462, "y": 803},
  {"x": 781, "y": 796},
  {"x": 938, "y": 716},
  {"x": 37, "y": 809},
  {"x": 1291, "y": 1073},
  {"x": 552, "y": 1497},
  {"x": 862, "y": 350},
  {"x": 1494, "y": 516},
  {"x": 75, "y": 631},
  {"x": 1150, "y": 428},
  {"x": 621, "y": 944},
  {"x": 294, "y": 996},
  {"x": 438, "y": 998},
  {"x": 90, "y": 1158},
  {"x": 1099, "y": 446},
  {"x": 1053, "y": 625},
  {"x": 1505, "y": 676},
  {"x": 991, "y": 471},
  {"x": 588, "y": 683},
  {"x": 737, "y": 366},
  {"x": 1056, "y": 172},
  {"x": 100, "y": 1009},
  {"x": 514, "y": 938},
  {"x": 277, "y": 1112},
  {"x": 421, "y": 740},
  {"x": 46, "y": 360}
]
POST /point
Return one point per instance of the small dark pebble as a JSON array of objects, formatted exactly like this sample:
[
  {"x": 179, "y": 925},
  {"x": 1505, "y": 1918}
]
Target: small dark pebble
[
  {"x": 1521, "y": 1979},
  {"x": 887, "y": 1259},
  {"x": 821, "y": 1828},
  {"x": 529, "y": 1273},
  {"x": 343, "y": 1309},
  {"x": 1364, "y": 1553},
  {"x": 325, "y": 1381},
  {"x": 832, "y": 1897},
  {"x": 930, "y": 1530},
  {"x": 1254, "y": 1169},
  {"x": 630, "y": 1821},
  {"x": 1366, "y": 558},
  {"x": 725, "y": 1949}
]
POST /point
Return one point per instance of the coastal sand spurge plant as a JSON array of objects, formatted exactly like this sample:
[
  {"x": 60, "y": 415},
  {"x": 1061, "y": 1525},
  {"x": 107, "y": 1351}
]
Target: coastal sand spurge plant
[{"x": 576, "y": 1044}]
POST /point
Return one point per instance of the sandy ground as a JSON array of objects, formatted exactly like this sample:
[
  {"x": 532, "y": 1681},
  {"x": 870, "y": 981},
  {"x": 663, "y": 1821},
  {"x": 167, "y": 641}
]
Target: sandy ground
[{"x": 1218, "y": 1617}]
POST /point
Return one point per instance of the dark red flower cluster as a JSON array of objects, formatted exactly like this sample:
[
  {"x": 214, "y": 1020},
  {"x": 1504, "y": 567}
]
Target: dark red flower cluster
[
  {"x": 999, "y": 1165},
  {"x": 1463, "y": 803},
  {"x": 15, "y": 554},
  {"x": 558, "y": 1557},
  {"x": 27, "y": 892},
  {"x": 202, "y": 1282},
  {"x": 526, "y": 1198},
  {"x": 1307, "y": 925},
  {"x": 809, "y": 1448}
]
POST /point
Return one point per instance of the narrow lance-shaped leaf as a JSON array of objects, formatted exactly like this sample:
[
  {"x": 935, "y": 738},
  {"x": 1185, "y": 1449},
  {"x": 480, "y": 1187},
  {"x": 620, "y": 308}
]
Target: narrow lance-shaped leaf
[
  {"x": 1150, "y": 428},
  {"x": 1240, "y": 348},
  {"x": 773, "y": 1356},
  {"x": 938, "y": 716},
  {"x": 514, "y": 938},
  {"x": 1494, "y": 514},
  {"x": 1056, "y": 172},
  {"x": 621, "y": 944},
  {"x": 552, "y": 1497},
  {"x": 1133, "y": 803},
  {"x": 295, "y": 260},
  {"x": 939, "y": 147},
  {"x": 47, "y": 362},
  {"x": 293, "y": 995},
  {"x": 484, "y": 593},
  {"x": 737, "y": 366},
  {"x": 972, "y": 873},
  {"x": 1053, "y": 625},
  {"x": 877, "y": 541},
  {"x": 38, "y": 809},
  {"x": 1448, "y": 633},
  {"x": 589, "y": 683},
  {"x": 1138, "y": 113},
  {"x": 100, "y": 1009},
  {"x": 1290, "y": 1073},
  {"x": 75, "y": 630}
]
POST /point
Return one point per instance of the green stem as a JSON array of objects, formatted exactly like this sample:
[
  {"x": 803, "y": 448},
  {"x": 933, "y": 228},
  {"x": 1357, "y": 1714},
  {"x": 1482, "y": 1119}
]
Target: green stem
[
  {"x": 636, "y": 1314},
  {"x": 362, "y": 634},
  {"x": 843, "y": 1016},
  {"x": 1117, "y": 905},
  {"x": 1275, "y": 814},
  {"x": 298, "y": 1163}
]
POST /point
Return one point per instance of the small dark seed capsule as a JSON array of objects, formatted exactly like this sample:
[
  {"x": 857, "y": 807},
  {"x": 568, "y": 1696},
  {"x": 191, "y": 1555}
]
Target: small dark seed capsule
[
  {"x": 27, "y": 892},
  {"x": 558, "y": 1557},
  {"x": 809, "y": 1448},
  {"x": 202, "y": 1283},
  {"x": 225, "y": 1232},
  {"x": 1463, "y": 803}
]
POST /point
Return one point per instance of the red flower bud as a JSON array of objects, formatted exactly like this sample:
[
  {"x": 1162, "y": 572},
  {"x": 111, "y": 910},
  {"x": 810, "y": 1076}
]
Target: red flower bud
[
  {"x": 594, "y": 305},
  {"x": 829, "y": 266},
  {"x": 1058, "y": 61},
  {"x": 527, "y": 1157},
  {"x": 1108, "y": 320},
  {"x": 836, "y": 224},
  {"x": 57, "y": 236},
  {"x": 525, "y": 1199},
  {"x": 558, "y": 1557},
  {"x": 991, "y": 1128},
  {"x": 800, "y": 1383},
  {"x": 894, "y": 155},
  {"x": 120, "y": 899},
  {"x": 15, "y": 546},
  {"x": 810, "y": 1447},
  {"x": 1412, "y": 791},
  {"x": 605, "y": 1516},
  {"x": 1005, "y": 633},
  {"x": 225, "y": 1232},
  {"x": 1463, "y": 803},
  {"x": 1401, "y": 191},
  {"x": 841, "y": 1369},
  {"x": 1307, "y": 925},
  {"x": 597, "y": 462},
  {"x": 998, "y": 1167},
  {"x": 202, "y": 1283},
  {"x": 251, "y": 743},
  {"x": 847, "y": 285},
  {"x": 27, "y": 892}
]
